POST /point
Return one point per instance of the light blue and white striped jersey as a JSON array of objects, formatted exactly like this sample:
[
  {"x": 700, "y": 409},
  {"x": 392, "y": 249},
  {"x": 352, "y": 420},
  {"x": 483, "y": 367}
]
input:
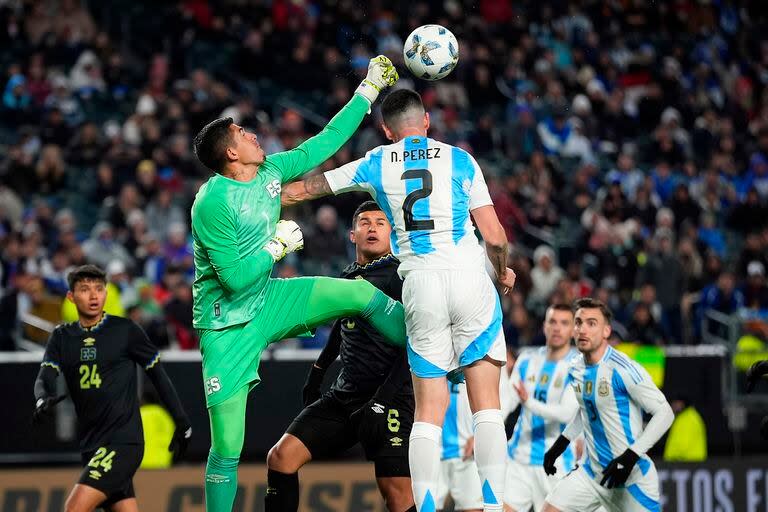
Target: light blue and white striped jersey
[
  {"x": 550, "y": 407},
  {"x": 426, "y": 189},
  {"x": 458, "y": 424},
  {"x": 457, "y": 427},
  {"x": 612, "y": 396}
]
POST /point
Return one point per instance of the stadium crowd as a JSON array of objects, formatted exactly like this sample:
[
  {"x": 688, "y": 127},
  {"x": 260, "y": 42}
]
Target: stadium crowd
[{"x": 625, "y": 144}]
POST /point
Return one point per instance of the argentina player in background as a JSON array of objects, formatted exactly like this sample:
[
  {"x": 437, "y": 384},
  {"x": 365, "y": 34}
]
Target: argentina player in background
[
  {"x": 429, "y": 190},
  {"x": 541, "y": 387},
  {"x": 612, "y": 391}
]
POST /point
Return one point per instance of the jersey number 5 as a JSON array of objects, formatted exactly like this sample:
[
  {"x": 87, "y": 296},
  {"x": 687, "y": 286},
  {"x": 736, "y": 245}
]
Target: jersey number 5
[{"x": 425, "y": 176}]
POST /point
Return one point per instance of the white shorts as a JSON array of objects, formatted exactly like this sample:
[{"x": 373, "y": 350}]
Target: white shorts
[
  {"x": 453, "y": 318},
  {"x": 577, "y": 492},
  {"x": 527, "y": 486},
  {"x": 459, "y": 479}
]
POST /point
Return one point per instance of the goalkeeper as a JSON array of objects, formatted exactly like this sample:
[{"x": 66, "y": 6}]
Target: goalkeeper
[{"x": 238, "y": 308}]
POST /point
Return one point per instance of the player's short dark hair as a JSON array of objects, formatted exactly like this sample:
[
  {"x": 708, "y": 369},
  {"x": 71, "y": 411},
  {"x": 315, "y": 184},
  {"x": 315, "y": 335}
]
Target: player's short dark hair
[
  {"x": 397, "y": 102},
  {"x": 85, "y": 272},
  {"x": 559, "y": 306},
  {"x": 368, "y": 206},
  {"x": 590, "y": 303},
  {"x": 210, "y": 143}
]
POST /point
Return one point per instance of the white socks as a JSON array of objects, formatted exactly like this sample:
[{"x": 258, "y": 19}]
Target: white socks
[
  {"x": 490, "y": 456},
  {"x": 424, "y": 451}
]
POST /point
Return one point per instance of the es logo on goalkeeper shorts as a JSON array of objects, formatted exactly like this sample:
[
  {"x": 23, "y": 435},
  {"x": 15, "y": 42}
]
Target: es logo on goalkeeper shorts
[
  {"x": 212, "y": 385},
  {"x": 274, "y": 188}
]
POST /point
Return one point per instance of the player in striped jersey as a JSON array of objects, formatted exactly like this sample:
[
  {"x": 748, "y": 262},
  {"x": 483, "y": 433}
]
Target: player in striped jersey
[
  {"x": 428, "y": 189},
  {"x": 540, "y": 377},
  {"x": 458, "y": 471},
  {"x": 612, "y": 391}
]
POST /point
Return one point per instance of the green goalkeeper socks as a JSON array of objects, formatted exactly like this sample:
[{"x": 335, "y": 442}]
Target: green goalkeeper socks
[
  {"x": 220, "y": 482},
  {"x": 387, "y": 316}
]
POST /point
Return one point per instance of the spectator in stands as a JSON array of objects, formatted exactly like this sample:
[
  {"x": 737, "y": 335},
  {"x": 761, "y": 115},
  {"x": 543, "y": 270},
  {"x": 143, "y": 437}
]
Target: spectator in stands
[
  {"x": 325, "y": 243},
  {"x": 177, "y": 249},
  {"x": 162, "y": 213},
  {"x": 642, "y": 327},
  {"x": 178, "y": 313},
  {"x": 665, "y": 273},
  {"x": 101, "y": 247},
  {"x": 755, "y": 289},
  {"x": 50, "y": 171},
  {"x": 544, "y": 276},
  {"x": 627, "y": 175}
]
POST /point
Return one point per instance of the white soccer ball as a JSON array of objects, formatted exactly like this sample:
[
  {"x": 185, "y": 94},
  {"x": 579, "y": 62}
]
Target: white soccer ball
[{"x": 431, "y": 52}]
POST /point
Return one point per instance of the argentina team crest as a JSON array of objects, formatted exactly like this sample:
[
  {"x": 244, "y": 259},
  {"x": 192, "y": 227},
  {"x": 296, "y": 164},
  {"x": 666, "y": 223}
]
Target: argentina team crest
[{"x": 602, "y": 388}]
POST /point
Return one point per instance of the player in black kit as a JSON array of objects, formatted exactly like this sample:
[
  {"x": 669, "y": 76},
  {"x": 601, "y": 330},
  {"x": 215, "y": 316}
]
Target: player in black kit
[
  {"x": 97, "y": 356},
  {"x": 371, "y": 400}
]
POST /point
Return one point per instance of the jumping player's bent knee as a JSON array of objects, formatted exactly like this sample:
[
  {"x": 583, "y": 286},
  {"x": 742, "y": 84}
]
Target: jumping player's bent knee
[{"x": 286, "y": 457}]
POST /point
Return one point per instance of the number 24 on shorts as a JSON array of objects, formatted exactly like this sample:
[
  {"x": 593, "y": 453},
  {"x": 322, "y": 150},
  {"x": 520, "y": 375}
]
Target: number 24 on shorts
[{"x": 102, "y": 458}]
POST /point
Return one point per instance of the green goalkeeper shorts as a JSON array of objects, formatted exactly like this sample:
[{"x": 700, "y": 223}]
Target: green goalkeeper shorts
[{"x": 291, "y": 307}]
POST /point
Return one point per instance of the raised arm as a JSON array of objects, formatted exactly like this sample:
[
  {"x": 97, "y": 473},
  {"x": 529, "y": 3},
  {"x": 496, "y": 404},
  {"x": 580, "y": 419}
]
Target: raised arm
[
  {"x": 305, "y": 190},
  {"x": 316, "y": 150},
  {"x": 348, "y": 177}
]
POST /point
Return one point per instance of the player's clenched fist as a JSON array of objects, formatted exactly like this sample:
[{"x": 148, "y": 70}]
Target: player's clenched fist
[
  {"x": 507, "y": 280},
  {"x": 288, "y": 238},
  {"x": 381, "y": 74}
]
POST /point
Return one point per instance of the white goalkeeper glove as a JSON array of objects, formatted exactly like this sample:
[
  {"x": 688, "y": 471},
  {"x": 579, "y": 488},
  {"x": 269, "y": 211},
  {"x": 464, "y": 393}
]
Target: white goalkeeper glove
[
  {"x": 381, "y": 74},
  {"x": 288, "y": 238}
]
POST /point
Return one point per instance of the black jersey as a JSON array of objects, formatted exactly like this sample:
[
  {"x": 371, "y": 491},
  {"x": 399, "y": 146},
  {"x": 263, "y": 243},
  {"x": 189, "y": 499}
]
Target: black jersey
[
  {"x": 99, "y": 366},
  {"x": 366, "y": 358}
]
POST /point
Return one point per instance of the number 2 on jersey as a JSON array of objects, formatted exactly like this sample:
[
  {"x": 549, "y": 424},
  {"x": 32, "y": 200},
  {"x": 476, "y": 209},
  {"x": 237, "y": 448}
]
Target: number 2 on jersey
[
  {"x": 89, "y": 376},
  {"x": 425, "y": 176}
]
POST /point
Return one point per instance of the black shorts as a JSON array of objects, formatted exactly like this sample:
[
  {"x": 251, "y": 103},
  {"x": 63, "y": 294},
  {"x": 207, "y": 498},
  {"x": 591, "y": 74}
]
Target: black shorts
[
  {"x": 325, "y": 429},
  {"x": 110, "y": 469}
]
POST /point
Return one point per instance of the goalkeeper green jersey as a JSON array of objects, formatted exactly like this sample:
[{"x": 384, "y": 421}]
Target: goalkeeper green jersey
[{"x": 233, "y": 220}]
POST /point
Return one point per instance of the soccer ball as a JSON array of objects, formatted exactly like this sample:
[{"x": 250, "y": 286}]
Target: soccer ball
[{"x": 431, "y": 52}]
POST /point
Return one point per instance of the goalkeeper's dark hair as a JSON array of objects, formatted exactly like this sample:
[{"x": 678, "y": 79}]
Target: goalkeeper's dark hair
[
  {"x": 85, "y": 273},
  {"x": 368, "y": 206},
  {"x": 397, "y": 103},
  {"x": 590, "y": 303},
  {"x": 210, "y": 143}
]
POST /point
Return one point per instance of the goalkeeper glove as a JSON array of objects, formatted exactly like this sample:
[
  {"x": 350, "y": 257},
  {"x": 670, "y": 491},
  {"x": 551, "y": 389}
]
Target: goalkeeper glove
[
  {"x": 618, "y": 470},
  {"x": 557, "y": 449},
  {"x": 44, "y": 408},
  {"x": 381, "y": 74},
  {"x": 288, "y": 238},
  {"x": 754, "y": 373}
]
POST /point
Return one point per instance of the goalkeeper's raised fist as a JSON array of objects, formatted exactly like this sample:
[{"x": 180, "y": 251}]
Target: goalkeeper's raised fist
[
  {"x": 381, "y": 74},
  {"x": 288, "y": 238}
]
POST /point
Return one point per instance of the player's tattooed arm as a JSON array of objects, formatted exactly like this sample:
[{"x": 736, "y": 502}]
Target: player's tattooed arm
[{"x": 305, "y": 190}]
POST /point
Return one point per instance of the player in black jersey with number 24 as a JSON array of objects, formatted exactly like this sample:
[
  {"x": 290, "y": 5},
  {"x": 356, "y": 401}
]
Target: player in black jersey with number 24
[{"x": 97, "y": 356}]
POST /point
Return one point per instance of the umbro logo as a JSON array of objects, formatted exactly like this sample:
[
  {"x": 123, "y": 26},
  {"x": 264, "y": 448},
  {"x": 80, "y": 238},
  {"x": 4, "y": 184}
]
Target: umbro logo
[
  {"x": 396, "y": 441},
  {"x": 94, "y": 475},
  {"x": 377, "y": 408}
]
